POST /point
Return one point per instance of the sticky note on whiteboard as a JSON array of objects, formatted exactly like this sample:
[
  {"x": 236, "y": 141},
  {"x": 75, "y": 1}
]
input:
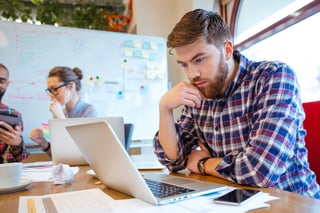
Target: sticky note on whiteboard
[
  {"x": 128, "y": 52},
  {"x": 154, "y": 46},
  {"x": 137, "y": 44}
]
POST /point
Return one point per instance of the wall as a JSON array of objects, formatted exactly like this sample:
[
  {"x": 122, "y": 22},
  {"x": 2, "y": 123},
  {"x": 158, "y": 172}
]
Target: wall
[{"x": 157, "y": 18}]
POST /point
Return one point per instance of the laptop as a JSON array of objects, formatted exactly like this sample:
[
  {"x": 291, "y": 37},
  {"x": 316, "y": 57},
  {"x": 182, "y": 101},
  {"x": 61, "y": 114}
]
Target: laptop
[
  {"x": 64, "y": 150},
  {"x": 113, "y": 166}
]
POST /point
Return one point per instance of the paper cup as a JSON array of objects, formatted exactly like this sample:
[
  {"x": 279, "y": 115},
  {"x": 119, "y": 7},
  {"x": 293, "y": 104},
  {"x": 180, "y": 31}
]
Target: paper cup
[{"x": 10, "y": 174}]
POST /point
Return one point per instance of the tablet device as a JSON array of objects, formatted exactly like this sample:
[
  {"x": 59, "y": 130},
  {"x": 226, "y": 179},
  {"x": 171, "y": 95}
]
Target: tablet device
[
  {"x": 12, "y": 120},
  {"x": 237, "y": 196}
]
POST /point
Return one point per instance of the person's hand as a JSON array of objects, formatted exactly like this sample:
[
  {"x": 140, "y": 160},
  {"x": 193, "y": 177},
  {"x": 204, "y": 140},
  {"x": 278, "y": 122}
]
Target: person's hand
[
  {"x": 10, "y": 135},
  {"x": 181, "y": 94},
  {"x": 37, "y": 136},
  {"x": 56, "y": 109},
  {"x": 195, "y": 156}
]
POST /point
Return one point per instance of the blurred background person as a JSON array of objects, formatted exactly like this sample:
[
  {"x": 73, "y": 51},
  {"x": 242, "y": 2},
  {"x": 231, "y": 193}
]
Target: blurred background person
[
  {"x": 64, "y": 85},
  {"x": 12, "y": 148}
]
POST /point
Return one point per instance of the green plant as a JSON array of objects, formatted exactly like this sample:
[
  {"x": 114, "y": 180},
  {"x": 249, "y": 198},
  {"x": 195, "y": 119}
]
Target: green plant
[
  {"x": 14, "y": 9},
  {"x": 48, "y": 12},
  {"x": 80, "y": 13}
]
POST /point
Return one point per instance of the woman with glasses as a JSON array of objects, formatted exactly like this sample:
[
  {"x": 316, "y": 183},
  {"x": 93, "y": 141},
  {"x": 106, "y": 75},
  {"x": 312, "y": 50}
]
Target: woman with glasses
[{"x": 64, "y": 85}]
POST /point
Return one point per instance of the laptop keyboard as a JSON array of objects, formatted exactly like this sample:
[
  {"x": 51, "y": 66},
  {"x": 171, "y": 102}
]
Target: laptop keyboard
[{"x": 161, "y": 190}]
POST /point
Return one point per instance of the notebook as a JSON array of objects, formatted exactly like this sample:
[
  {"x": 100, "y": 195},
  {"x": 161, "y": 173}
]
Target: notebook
[
  {"x": 64, "y": 150},
  {"x": 113, "y": 166}
]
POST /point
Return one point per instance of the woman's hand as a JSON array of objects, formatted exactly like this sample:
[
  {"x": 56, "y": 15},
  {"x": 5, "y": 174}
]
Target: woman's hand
[{"x": 56, "y": 109}]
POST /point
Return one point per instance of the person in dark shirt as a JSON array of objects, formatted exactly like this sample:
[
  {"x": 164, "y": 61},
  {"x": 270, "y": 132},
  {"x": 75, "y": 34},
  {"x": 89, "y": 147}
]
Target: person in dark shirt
[{"x": 12, "y": 148}]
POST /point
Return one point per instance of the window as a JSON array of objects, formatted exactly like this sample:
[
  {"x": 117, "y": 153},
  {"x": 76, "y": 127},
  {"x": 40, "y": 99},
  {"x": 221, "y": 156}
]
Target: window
[{"x": 297, "y": 45}]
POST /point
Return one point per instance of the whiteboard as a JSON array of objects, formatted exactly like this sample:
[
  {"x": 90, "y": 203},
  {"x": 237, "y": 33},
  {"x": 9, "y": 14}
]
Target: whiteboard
[{"x": 124, "y": 74}]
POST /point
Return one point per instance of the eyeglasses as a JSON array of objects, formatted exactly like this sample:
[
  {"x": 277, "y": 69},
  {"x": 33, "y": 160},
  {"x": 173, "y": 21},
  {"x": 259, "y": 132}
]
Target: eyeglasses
[{"x": 54, "y": 91}]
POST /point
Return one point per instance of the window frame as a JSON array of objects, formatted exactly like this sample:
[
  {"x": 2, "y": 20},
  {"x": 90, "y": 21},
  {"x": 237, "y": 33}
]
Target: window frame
[{"x": 294, "y": 18}]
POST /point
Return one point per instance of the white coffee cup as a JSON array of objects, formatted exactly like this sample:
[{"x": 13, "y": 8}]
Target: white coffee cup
[{"x": 10, "y": 174}]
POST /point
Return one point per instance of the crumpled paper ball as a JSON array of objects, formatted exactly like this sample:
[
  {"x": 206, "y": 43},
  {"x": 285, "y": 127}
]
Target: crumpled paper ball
[{"x": 62, "y": 174}]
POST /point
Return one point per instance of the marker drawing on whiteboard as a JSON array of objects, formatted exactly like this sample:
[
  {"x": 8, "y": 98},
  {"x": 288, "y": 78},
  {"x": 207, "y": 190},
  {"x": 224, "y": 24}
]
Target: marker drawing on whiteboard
[{"x": 111, "y": 82}]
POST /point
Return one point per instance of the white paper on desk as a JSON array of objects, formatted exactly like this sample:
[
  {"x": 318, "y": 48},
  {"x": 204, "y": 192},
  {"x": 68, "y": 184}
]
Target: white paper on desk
[
  {"x": 146, "y": 162},
  {"x": 40, "y": 171},
  {"x": 94, "y": 200},
  {"x": 37, "y": 171},
  {"x": 90, "y": 200},
  {"x": 205, "y": 204},
  {"x": 198, "y": 204},
  {"x": 38, "y": 164}
]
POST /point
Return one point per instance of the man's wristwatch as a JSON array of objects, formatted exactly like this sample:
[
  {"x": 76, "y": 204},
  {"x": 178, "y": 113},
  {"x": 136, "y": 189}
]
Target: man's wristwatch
[{"x": 201, "y": 163}]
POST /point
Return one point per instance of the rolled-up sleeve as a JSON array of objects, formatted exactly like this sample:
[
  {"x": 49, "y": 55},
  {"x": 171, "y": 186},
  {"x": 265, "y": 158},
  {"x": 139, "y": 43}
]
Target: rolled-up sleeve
[{"x": 186, "y": 142}]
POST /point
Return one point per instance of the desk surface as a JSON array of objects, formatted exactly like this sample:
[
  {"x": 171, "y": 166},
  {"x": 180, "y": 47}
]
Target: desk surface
[{"x": 288, "y": 202}]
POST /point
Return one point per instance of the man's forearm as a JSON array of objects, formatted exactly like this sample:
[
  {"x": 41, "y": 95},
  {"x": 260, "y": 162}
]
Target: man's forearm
[{"x": 167, "y": 134}]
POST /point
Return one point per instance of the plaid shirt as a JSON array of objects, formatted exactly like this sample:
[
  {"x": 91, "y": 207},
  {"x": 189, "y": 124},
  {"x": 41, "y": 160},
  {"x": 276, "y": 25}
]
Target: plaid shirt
[
  {"x": 256, "y": 128},
  {"x": 12, "y": 153}
]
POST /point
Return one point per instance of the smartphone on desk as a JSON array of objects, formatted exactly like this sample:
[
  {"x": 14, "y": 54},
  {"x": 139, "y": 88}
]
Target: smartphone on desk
[
  {"x": 237, "y": 197},
  {"x": 12, "y": 120}
]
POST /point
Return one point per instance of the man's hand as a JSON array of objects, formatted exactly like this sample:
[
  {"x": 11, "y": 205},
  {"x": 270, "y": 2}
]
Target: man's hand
[
  {"x": 181, "y": 94},
  {"x": 10, "y": 135},
  {"x": 195, "y": 156}
]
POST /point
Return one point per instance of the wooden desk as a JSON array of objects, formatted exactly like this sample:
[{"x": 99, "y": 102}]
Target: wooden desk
[{"x": 288, "y": 202}]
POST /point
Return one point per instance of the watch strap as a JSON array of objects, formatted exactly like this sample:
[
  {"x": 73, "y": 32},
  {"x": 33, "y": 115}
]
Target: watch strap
[{"x": 201, "y": 163}]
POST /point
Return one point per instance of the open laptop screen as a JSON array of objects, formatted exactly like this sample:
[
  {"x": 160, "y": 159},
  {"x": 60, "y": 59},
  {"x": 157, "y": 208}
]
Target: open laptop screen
[{"x": 63, "y": 148}]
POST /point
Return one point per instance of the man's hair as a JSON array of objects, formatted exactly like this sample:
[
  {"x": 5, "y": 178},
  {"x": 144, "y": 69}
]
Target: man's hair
[
  {"x": 196, "y": 24},
  {"x": 4, "y": 67}
]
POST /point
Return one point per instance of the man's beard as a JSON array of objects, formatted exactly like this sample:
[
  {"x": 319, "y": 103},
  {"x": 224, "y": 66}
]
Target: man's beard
[
  {"x": 215, "y": 88},
  {"x": 1, "y": 95}
]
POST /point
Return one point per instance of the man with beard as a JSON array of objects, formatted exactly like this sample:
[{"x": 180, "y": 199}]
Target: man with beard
[
  {"x": 12, "y": 148},
  {"x": 241, "y": 120}
]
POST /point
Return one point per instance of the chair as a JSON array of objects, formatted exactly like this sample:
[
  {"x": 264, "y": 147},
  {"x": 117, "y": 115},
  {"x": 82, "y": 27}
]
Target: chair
[
  {"x": 312, "y": 139},
  {"x": 128, "y": 130}
]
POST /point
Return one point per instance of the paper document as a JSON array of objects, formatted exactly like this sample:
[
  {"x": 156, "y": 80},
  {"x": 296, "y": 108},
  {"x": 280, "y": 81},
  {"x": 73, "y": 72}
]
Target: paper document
[
  {"x": 96, "y": 201},
  {"x": 91, "y": 200},
  {"x": 146, "y": 162},
  {"x": 41, "y": 171}
]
